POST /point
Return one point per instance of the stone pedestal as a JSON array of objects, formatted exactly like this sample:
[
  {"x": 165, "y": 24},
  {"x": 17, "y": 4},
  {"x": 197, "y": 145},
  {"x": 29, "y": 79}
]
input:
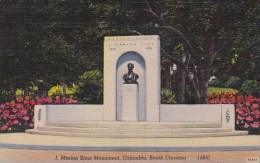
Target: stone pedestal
[
  {"x": 144, "y": 52},
  {"x": 129, "y": 102}
]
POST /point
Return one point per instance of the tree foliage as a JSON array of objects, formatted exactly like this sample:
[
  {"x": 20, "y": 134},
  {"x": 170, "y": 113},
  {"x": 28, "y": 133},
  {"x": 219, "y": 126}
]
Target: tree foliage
[{"x": 45, "y": 43}]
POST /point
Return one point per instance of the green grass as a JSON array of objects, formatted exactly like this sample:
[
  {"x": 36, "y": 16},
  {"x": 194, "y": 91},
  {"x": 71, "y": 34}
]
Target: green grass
[
  {"x": 57, "y": 90},
  {"x": 52, "y": 91},
  {"x": 221, "y": 90},
  {"x": 71, "y": 91}
]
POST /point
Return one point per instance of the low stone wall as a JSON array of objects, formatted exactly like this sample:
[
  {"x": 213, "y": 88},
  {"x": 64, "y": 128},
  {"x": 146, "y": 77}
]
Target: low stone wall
[
  {"x": 66, "y": 113},
  {"x": 224, "y": 113}
]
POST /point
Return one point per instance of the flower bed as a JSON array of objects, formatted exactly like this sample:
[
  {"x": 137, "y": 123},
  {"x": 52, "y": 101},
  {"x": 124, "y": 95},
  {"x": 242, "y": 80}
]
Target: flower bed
[
  {"x": 247, "y": 109},
  {"x": 17, "y": 116}
]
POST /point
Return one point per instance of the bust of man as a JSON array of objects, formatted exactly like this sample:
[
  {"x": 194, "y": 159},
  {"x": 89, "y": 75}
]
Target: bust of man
[{"x": 130, "y": 77}]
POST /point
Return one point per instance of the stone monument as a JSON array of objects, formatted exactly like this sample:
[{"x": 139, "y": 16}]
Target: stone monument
[
  {"x": 132, "y": 101},
  {"x": 144, "y": 53},
  {"x": 130, "y": 95}
]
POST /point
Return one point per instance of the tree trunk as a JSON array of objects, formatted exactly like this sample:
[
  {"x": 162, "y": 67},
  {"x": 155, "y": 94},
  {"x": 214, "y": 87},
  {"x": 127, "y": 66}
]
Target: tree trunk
[
  {"x": 63, "y": 89},
  {"x": 167, "y": 77},
  {"x": 203, "y": 76},
  {"x": 204, "y": 92},
  {"x": 194, "y": 89},
  {"x": 12, "y": 91},
  {"x": 42, "y": 90},
  {"x": 26, "y": 90},
  {"x": 180, "y": 90}
]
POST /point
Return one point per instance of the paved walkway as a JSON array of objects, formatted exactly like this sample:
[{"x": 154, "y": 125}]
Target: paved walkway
[
  {"x": 45, "y": 142},
  {"x": 30, "y": 148}
]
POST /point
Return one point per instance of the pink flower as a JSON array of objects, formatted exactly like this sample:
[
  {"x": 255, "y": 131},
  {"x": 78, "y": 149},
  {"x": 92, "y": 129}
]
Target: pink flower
[
  {"x": 239, "y": 111},
  {"x": 27, "y": 98},
  {"x": 32, "y": 102},
  {"x": 12, "y": 117},
  {"x": 255, "y": 106},
  {"x": 12, "y": 104},
  {"x": 48, "y": 100},
  {"x": 6, "y": 113},
  {"x": 31, "y": 125},
  {"x": 4, "y": 128},
  {"x": 249, "y": 118},
  {"x": 14, "y": 110},
  {"x": 248, "y": 103},
  {"x": 240, "y": 117},
  {"x": 57, "y": 100},
  {"x": 3, "y": 106},
  {"x": 246, "y": 125},
  {"x": 19, "y": 100},
  {"x": 26, "y": 118},
  {"x": 39, "y": 101},
  {"x": 255, "y": 124},
  {"x": 15, "y": 122},
  {"x": 23, "y": 111},
  {"x": 257, "y": 113}
]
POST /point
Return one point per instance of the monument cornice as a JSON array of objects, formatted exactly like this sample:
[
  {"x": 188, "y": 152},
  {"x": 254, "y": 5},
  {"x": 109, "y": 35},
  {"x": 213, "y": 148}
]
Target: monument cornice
[{"x": 132, "y": 38}]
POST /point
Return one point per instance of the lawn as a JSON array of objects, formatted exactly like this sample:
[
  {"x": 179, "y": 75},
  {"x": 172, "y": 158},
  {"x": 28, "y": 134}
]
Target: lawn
[
  {"x": 54, "y": 90},
  {"x": 221, "y": 90}
]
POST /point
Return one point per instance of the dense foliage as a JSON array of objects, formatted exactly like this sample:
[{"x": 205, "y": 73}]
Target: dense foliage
[
  {"x": 49, "y": 43},
  {"x": 19, "y": 115},
  {"x": 247, "y": 109},
  {"x": 167, "y": 96}
]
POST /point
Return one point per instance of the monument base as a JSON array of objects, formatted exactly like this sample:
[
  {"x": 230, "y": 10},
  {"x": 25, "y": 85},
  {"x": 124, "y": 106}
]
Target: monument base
[{"x": 129, "y": 108}]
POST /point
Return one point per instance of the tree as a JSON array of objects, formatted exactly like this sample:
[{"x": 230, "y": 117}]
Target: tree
[{"x": 197, "y": 31}]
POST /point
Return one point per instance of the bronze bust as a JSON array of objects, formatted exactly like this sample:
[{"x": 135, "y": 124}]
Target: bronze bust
[{"x": 130, "y": 77}]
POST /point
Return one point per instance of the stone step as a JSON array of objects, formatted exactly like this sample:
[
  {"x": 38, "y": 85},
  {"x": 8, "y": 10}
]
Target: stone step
[
  {"x": 109, "y": 135},
  {"x": 134, "y": 131},
  {"x": 136, "y": 125}
]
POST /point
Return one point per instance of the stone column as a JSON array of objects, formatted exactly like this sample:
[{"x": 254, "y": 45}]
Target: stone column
[{"x": 130, "y": 103}]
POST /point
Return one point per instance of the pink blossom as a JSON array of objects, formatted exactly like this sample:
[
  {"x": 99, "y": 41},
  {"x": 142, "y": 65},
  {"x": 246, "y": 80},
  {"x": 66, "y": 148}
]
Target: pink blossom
[
  {"x": 12, "y": 117},
  {"x": 239, "y": 111},
  {"x": 19, "y": 100},
  {"x": 15, "y": 122},
  {"x": 19, "y": 105},
  {"x": 240, "y": 117},
  {"x": 246, "y": 125},
  {"x": 39, "y": 101},
  {"x": 4, "y": 128},
  {"x": 257, "y": 113},
  {"x": 26, "y": 118},
  {"x": 255, "y": 124},
  {"x": 6, "y": 113},
  {"x": 23, "y": 111},
  {"x": 32, "y": 102},
  {"x": 27, "y": 98},
  {"x": 255, "y": 106},
  {"x": 248, "y": 103},
  {"x": 31, "y": 125},
  {"x": 12, "y": 104},
  {"x": 249, "y": 118},
  {"x": 48, "y": 100},
  {"x": 3, "y": 106}
]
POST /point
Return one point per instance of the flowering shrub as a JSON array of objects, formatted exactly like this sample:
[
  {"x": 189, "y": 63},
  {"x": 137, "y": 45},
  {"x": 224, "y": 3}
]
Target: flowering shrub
[
  {"x": 18, "y": 115},
  {"x": 247, "y": 108}
]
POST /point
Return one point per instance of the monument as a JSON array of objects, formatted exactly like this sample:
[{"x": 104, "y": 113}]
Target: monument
[
  {"x": 130, "y": 95},
  {"x": 132, "y": 101},
  {"x": 130, "y": 77}
]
